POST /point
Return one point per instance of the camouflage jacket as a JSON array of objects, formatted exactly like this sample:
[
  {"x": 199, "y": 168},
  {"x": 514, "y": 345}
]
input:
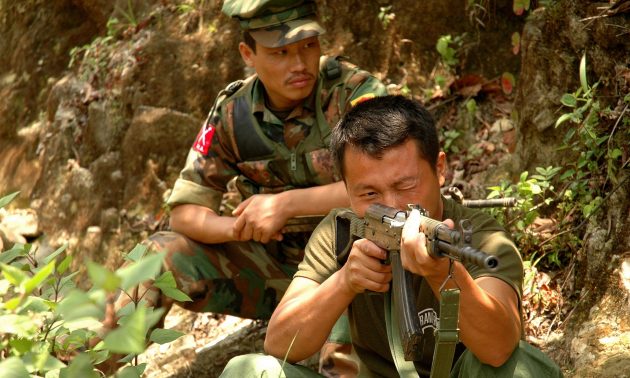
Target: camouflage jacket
[{"x": 242, "y": 138}]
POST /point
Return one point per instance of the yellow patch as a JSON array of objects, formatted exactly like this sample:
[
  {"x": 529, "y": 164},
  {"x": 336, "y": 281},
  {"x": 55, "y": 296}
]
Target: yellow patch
[{"x": 362, "y": 98}]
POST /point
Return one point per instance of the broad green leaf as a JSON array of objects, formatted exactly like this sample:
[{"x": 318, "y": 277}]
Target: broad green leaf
[
  {"x": 55, "y": 254},
  {"x": 80, "y": 366},
  {"x": 13, "y": 303},
  {"x": 131, "y": 372},
  {"x": 41, "y": 361},
  {"x": 65, "y": 264},
  {"x": 154, "y": 315},
  {"x": 130, "y": 336},
  {"x": 20, "y": 325},
  {"x": 137, "y": 252},
  {"x": 13, "y": 367},
  {"x": 39, "y": 277},
  {"x": 176, "y": 294},
  {"x": 35, "y": 304},
  {"x": 583, "y": 81},
  {"x": 614, "y": 153},
  {"x": 145, "y": 269},
  {"x": 166, "y": 283},
  {"x": 75, "y": 339},
  {"x": 103, "y": 278},
  {"x": 569, "y": 100},
  {"x": 163, "y": 336},
  {"x": 21, "y": 345},
  {"x": 99, "y": 356},
  {"x": 14, "y": 275},
  {"x": 78, "y": 305},
  {"x": 16, "y": 251},
  {"x": 165, "y": 280},
  {"x": 7, "y": 199}
]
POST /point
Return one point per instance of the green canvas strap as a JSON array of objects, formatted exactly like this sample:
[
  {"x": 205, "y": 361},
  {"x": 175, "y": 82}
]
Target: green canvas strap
[
  {"x": 447, "y": 334},
  {"x": 404, "y": 368}
]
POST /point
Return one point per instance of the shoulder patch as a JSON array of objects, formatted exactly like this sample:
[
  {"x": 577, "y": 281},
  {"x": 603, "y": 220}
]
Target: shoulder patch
[
  {"x": 362, "y": 98},
  {"x": 204, "y": 139}
]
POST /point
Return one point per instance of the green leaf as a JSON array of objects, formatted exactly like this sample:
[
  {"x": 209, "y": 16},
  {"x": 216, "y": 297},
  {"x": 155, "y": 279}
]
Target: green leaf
[
  {"x": 78, "y": 305},
  {"x": 130, "y": 336},
  {"x": 614, "y": 154},
  {"x": 55, "y": 254},
  {"x": 163, "y": 336},
  {"x": 20, "y": 325},
  {"x": 583, "y": 81},
  {"x": 21, "y": 345},
  {"x": 563, "y": 118},
  {"x": 14, "y": 275},
  {"x": 35, "y": 304},
  {"x": 13, "y": 367},
  {"x": 12, "y": 303},
  {"x": 569, "y": 100},
  {"x": 80, "y": 366},
  {"x": 166, "y": 283},
  {"x": 41, "y": 361},
  {"x": 176, "y": 294},
  {"x": 103, "y": 278},
  {"x": 7, "y": 199},
  {"x": 65, "y": 264},
  {"x": 137, "y": 252},
  {"x": 131, "y": 372},
  {"x": 145, "y": 269},
  {"x": 39, "y": 277},
  {"x": 165, "y": 280},
  {"x": 16, "y": 251}
]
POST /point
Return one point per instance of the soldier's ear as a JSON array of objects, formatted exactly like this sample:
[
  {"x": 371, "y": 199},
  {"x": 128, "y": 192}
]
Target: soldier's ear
[
  {"x": 247, "y": 54},
  {"x": 440, "y": 168}
]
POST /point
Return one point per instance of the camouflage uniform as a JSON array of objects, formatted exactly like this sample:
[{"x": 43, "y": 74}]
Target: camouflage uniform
[{"x": 265, "y": 155}]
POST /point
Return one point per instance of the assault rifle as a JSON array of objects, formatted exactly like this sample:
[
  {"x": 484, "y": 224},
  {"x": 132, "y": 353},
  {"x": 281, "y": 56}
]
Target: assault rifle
[{"x": 383, "y": 225}]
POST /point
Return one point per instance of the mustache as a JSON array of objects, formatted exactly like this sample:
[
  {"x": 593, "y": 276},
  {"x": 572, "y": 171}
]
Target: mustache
[{"x": 299, "y": 77}]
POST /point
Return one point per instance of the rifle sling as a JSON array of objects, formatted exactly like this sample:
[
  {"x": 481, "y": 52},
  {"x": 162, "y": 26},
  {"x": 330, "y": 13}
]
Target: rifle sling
[{"x": 447, "y": 334}]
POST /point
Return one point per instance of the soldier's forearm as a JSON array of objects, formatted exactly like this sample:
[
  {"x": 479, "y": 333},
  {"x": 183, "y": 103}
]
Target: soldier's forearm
[{"x": 201, "y": 224}]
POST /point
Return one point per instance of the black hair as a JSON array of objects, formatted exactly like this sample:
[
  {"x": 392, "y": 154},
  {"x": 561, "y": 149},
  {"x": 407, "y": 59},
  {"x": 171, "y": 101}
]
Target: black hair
[
  {"x": 249, "y": 40},
  {"x": 378, "y": 124}
]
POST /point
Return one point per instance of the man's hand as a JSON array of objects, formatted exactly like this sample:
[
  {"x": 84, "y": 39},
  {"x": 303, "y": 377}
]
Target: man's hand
[
  {"x": 414, "y": 255},
  {"x": 259, "y": 218},
  {"x": 365, "y": 270}
]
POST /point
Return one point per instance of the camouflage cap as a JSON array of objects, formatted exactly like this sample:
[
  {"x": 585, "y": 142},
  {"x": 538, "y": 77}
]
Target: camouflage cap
[{"x": 275, "y": 23}]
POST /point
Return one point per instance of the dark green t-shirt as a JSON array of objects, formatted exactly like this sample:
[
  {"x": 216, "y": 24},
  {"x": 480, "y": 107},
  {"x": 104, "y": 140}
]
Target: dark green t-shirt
[{"x": 366, "y": 312}]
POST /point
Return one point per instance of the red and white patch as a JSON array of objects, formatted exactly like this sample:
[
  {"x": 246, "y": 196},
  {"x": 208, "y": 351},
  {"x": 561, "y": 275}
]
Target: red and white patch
[{"x": 204, "y": 139}]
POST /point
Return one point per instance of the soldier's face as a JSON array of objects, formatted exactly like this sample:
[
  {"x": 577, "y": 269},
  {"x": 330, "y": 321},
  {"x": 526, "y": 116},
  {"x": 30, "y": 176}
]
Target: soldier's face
[
  {"x": 400, "y": 177},
  {"x": 289, "y": 73}
]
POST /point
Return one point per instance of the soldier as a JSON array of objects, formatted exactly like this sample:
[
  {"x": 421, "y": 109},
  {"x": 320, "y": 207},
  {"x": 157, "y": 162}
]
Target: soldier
[
  {"x": 270, "y": 133},
  {"x": 387, "y": 150}
]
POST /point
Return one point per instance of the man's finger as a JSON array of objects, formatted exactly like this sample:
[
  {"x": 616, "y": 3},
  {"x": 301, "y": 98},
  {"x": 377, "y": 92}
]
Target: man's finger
[
  {"x": 237, "y": 227},
  {"x": 449, "y": 223},
  {"x": 241, "y": 206},
  {"x": 412, "y": 225}
]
